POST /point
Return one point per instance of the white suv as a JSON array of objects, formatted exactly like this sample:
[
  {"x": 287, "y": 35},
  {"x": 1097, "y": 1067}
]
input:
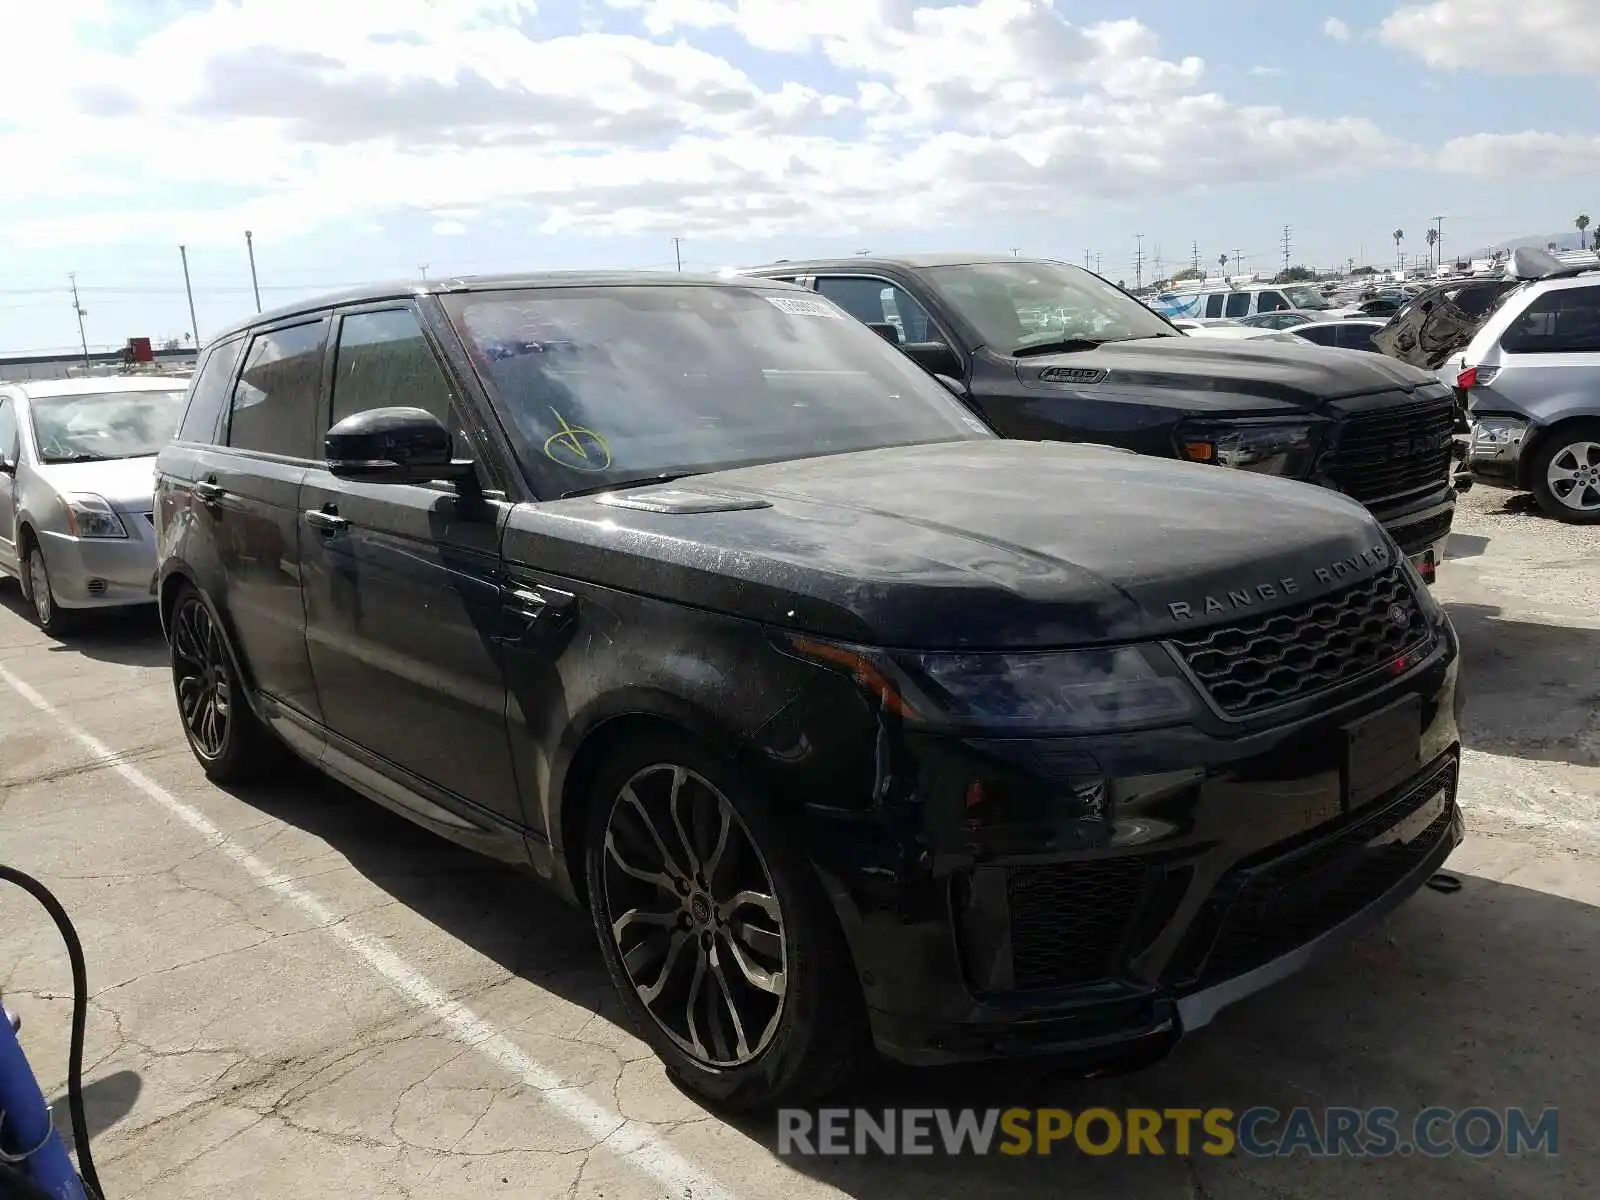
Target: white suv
[{"x": 1531, "y": 377}]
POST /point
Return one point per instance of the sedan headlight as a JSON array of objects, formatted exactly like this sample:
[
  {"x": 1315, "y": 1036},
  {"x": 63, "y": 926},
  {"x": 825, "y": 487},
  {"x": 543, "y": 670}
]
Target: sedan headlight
[
  {"x": 1287, "y": 448},
  {"x": 1037, "y": 692},
  {"x": 90, "y": 516}
]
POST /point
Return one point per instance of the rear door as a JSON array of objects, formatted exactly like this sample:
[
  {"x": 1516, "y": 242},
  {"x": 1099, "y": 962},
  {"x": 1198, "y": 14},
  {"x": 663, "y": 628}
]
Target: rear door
[
  {"x": 403, "y": 588},
  {"x": 247, "y": 490},
  {"x": 878, "y": 301}
]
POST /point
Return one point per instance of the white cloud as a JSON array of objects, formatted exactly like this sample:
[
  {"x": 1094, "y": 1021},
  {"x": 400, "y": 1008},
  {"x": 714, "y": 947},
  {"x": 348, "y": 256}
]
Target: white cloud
[
  {"x": 1338, "y": 30},
  {"x": 1526, "y": 155},
  {"x": 449, "y": 228},
  {"x": 289, "y": 113},
  {"x": 1263, "y": 72},
  {"x": 1501, "y": 36}
]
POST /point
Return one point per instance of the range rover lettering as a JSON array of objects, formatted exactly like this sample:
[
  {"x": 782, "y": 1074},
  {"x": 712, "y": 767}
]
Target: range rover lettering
[{"x": 850, "y": 724}]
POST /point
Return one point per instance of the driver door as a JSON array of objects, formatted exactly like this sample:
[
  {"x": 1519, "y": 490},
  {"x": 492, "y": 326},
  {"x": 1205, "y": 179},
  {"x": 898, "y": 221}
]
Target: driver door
[
  {"x": 9, "y": 456},
  {"x": 878, "y": 302}
]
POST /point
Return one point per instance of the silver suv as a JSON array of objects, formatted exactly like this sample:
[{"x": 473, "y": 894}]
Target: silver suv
[{"x": 1531, "y": 378}]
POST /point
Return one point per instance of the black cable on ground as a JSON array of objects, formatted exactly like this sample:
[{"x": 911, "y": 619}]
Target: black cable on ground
[{"x": 80, "y": 1018}]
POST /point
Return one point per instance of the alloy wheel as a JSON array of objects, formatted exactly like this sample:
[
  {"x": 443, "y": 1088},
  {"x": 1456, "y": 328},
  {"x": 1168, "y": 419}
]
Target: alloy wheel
[
  {"x": 1574, "y": 476},
  {"x": 200, "y": 675},
  {"x": 694, "y": 914},
  {"x": 39, "y": 586}
]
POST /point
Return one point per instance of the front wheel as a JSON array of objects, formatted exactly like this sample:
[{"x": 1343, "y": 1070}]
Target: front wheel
[
  {"x": 1565, "y": 474},
  {"x": 52, "y": 618},
  {"x": 716, "y": 932},
  {"x": 231, "y": 745}
]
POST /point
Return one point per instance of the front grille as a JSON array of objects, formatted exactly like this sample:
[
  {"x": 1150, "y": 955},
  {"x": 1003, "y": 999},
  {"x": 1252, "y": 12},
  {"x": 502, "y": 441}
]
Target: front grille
[
  {"x": 1415, "y": 538},
  {"x": 1296, "y": 897},
  {"x": 1297, "y": 652},
  {"x": 1386, "y": 454},
  {"x": 1074, "y": 922}
]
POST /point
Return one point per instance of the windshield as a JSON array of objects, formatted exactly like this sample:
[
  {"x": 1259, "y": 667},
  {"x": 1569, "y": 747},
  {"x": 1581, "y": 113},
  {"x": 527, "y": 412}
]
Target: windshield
[
  {"x": 1015, "y": 305},
  {"x": 617, "y": 384},
  {"x": 93, "y": 426},
  {"x": 1306, "y": 297}
]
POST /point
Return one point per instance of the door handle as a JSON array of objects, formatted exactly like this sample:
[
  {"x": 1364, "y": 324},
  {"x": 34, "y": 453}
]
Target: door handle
[
  {"x": 326, "y": 520},
  {"x": 208, "y": 491},
  {"x": 531, "y": 608}
]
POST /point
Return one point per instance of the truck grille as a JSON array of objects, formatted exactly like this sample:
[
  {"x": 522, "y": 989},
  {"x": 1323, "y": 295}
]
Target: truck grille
[
  {"x": 1263, "y": 911},
  {"x": 1387, "y": 454},
  {"x": 1297, "y": 652}
]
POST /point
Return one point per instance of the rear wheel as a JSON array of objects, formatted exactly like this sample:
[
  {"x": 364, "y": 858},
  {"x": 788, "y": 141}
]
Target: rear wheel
[
  {"x": 1565, "y": 473},
  {"x": 231, "y": 745},
  {"x": 716, "y": 932}
]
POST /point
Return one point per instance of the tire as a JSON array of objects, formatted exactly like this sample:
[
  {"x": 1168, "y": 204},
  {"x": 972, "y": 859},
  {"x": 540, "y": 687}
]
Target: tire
[
  {"x": 798, "y": 1045},
  {"x": 223, "y": 732},
  {"x": 47, "y": 614},
  {"x": 1573, "y": 451}
]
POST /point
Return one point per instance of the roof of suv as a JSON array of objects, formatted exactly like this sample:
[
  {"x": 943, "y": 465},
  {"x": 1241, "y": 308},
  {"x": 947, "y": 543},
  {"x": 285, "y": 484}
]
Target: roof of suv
[
  {"x": 450, "y": 284},
  {"x": 870, "y": 262}
]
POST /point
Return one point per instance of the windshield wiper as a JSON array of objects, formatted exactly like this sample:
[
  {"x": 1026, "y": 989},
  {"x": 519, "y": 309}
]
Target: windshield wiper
[
  {"x": 1062, "y": 345},
  {"x": 78, "y": 458},
  {"x": 620, "y": 484}
]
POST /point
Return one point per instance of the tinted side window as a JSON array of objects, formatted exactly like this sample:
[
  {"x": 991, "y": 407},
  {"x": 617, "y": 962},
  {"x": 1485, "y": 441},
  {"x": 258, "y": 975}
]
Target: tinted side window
[
  {"x": 383, "y": 361},
  {"x": 1561, "y": 322},
  {"x": 878, "y": 302},
  {"x": 1238, "y": 305},
  {"x": 275, "y": 402},
  {"x": 1356, "y": 337},
  {"x": 1214, "y": 304},
  {"x": 208, "y": 397},
  {"x": 1271, "y": 302},
  {"x": 1323, "y": 335},
  {"x": 8, "y": 430}
]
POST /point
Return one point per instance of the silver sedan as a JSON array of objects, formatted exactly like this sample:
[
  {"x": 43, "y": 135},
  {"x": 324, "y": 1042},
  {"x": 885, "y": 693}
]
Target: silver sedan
[{"x": 77, "y": 462}]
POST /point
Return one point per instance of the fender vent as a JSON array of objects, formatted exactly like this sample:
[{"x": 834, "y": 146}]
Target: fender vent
[{"x": 1071, "y": 375}]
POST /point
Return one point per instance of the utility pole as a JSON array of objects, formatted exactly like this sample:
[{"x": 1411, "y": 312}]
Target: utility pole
[
  {"x": 1194, "y": 257},
  {"x": 1286, "y": 244},
  {"x": 1238, "y": 262},
  {"x": 1138, "y": 262},
  {"x": 194, "y": 325},
  {"x": 1438, "y": 240},
  {"x": 83, "y": 338},
  {"x": 1156, "y": 259},
  {"x": 1016, "y": 250},
  {"x": 422, "y": 269},
  {"x": 1097, "y": 261},
  {"x": 250, "y": 249},
  {"x": 1087, "y": 258},
  {"x": 677, "y": 252}
]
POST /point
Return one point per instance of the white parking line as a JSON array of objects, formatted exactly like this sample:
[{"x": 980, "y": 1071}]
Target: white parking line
[{"x": 637, "y": 1144}]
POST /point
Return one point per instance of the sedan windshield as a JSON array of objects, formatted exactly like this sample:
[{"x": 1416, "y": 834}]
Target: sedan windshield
[
  {"x": 95, "y": 426},
  {"x": 1019, "y": 305},
  {"x": 620, "y": 385}
]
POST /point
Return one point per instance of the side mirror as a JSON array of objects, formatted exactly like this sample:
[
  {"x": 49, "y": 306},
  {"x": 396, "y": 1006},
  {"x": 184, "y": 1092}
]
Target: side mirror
[
  {"x": 393, "y": 445},
  {"x": 889, "y": 333},
  {"x": 954, "y": 386},
  {"x": 7, "y": 467}
]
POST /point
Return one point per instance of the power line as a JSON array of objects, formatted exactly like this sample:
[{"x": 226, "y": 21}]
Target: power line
[
  {"x": 677, "y": 252},
  {"x": 1194, "y": 257},
  {"x": 83, "y": 338},
  {"x": 1138, "y": 262},
  {"x": 1286, "y": 244}
]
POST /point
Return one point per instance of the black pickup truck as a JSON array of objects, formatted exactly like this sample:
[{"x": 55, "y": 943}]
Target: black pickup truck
[{"x": 1044, "y": 350}]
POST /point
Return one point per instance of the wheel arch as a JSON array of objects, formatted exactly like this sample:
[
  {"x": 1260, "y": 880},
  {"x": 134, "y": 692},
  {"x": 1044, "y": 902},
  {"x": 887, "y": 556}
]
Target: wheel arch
[{"x": 1542, "y": 435}]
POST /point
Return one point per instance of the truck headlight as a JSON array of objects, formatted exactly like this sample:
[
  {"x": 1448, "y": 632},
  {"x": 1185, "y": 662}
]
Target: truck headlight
[
  {"x": 1287, "y": 448},
  {"x": 1035, "y": 692},
  {"x": 91, "y": 516}
]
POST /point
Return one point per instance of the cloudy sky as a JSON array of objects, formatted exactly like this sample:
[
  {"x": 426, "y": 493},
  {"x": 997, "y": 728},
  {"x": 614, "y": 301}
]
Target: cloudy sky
[{"x": 360, "y": 139}]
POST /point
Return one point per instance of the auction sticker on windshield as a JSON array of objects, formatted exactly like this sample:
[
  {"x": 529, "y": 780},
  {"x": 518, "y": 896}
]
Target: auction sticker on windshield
[{"x": 796, "y": 307}]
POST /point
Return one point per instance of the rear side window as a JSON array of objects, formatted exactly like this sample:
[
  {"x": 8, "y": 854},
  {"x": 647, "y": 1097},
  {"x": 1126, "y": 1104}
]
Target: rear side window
[
  {"x": 1558, "y": 322},
  {"x": 1357, "y": 337},
  {"x": 1322, "y": 335},
  {"x": 1271, "y": 302},
  {"x": 1214, "y": 304},
  {"x": 1238, "y": 305},
  {"x": 208, "y": 398},
  {"x": 275, "y": 401},
  {"x": 383, "y": 361},
  {"x": 8, "y": 430}
]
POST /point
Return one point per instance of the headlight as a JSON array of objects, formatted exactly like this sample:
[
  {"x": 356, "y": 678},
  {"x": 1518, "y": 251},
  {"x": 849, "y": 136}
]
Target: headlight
[
  {"x": 90, "y": 516},
  {"x": 1048, "y": 692},
  {"x": 1287, "y": 448}
]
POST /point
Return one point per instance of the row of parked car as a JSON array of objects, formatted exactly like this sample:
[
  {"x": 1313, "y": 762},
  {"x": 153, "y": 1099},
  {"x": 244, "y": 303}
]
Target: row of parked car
[{"x": 944, "y": 656}]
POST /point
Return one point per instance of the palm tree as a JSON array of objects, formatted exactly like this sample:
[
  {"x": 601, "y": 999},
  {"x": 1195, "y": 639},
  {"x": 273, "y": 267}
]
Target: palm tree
[
  {"x": 1222, "y": 261},
  {"x": 1582, "y": 223},
  {"x": 1433, "y": 238},
  {"x": 1399, "y": 236}
]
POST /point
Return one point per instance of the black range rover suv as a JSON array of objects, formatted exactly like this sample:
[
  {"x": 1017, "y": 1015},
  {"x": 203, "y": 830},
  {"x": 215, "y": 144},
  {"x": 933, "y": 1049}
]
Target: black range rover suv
[
  {"x": 1044, "y": 349},
  {"x": 849, "y": 722}
]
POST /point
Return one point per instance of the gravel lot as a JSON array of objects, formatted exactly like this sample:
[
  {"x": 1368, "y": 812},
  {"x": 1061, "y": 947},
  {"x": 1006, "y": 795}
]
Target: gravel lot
[{"x": 296, "y": 993}]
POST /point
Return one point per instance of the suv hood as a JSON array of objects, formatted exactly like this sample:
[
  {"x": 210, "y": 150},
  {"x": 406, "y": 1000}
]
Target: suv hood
[
  {"x": 982, "y": 544},
  {"x": 1220, "y": 372},
  {"x": 127, "y": 484}
]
